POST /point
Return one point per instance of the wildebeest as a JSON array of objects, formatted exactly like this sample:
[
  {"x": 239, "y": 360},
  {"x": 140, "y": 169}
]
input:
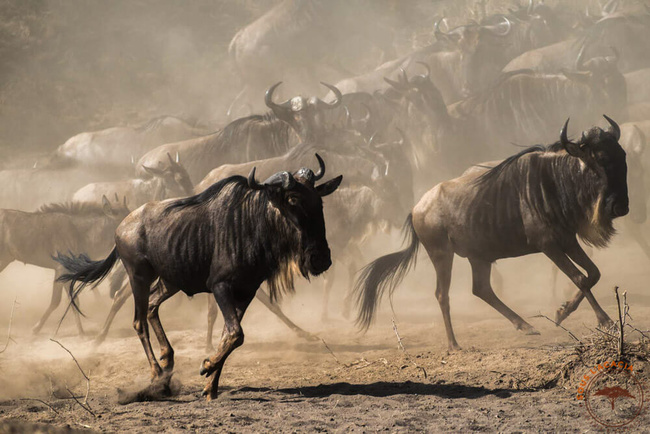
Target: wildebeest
[
  {"x": 303, "y": 39},
  {"x": 537, "y": 201},
  {"x": 33, "y": 237},
  {"x": 521, "y": 107},
  {"x": 169, "y": 181},
  {"x": 119, "y": 147},
  {"x": 227, "y": 240},
  {"x": 249, "y": 138}
]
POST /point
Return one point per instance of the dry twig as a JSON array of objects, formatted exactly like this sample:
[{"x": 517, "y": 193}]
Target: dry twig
[
  {"x": 560, "y": 326},
  {"x": 330, "y": 350},
  {"x": 11, "y": 319},
  {"x": 401, "y": 346},
  {"x": 41, "y": 401},
  {"x": 85, "y": 407},
  {"x": 78, "y": 366},
  {"x": 620, "y": 323}
]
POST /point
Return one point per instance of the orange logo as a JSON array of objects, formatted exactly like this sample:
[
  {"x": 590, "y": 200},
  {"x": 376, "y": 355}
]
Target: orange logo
[{"x": 611, "y": 393}]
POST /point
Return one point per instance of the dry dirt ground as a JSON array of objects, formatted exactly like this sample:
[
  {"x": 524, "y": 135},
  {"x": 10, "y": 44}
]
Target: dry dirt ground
[{"x": 502, "y": 380}]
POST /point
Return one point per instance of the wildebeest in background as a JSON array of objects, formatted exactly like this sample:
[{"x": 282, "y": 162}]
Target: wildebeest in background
[
  {"x": 117, "y": 148},
  {"x": 227, "y": 241},
  {"x": 250, "y": 138},
  {"x": 167, "y": 182},
  {"x": 521, "y": 107},
  {"x": 537, "y": 201},
  {"x": 33, "y": 237},
  {"x": 304, "y": 39}
]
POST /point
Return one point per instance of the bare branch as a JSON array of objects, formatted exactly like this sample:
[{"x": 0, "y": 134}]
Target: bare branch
[
  {"x": 11, "y": 319},
  {"x": 41, "y": 401},
  {"x": 85, "y": 407},
  {"x": 560, "y": 326},
  {"x": 78, "y": 366},
  {"x": 399, "y": 338},
  {"x": 330, "y": 350},
  {"x": 620, "y": 323}
]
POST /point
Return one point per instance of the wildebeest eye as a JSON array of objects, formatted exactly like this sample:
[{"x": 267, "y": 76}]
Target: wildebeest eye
[{"x": 293, "y": 200}]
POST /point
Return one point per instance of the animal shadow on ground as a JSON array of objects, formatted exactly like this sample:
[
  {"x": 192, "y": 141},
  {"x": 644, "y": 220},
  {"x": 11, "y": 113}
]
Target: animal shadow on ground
[
  {"x": 384, "y": 388},
  {"x": 162, "y": 389}
]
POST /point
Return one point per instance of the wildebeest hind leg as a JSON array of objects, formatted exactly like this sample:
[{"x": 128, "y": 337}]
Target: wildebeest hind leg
[
  {"x": 119, "y": 298},
  {"x": 213, "y": 312},
  {"x": 57, "y": 291},
  {"x": 159, "y": 294},
  {"x": 482, "y": 288},
  {"x": 263, "y": 297},
  {"x": 584, "y": 283},
  {"x": 141, "y": 276},
  {"x": 232, "y": 336},
  {"x": 443, "y": 260}
]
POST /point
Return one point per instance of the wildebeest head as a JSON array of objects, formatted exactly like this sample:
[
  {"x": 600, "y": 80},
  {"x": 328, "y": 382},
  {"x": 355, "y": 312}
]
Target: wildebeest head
[
  {"x": 600, "y": 151},
  {"x": 481, "y": 49},
  {"x": 305, "y": 115},
  {"x": 175, "y": 181},
  {"x": 298, "y": 199},
  {"x": 117, "y": 210}
]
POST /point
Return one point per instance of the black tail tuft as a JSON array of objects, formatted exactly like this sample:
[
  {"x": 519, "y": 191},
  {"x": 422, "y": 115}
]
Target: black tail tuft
[
  {"x": 385, "y": 272},
  {"x": 83, "y": 269}
]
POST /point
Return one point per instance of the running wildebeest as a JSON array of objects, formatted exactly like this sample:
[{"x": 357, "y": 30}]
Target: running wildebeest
[
  {"x": 33, "y": 237},
  {"x": 227, "y": 240},
  {"x": 539, "y": 200}
]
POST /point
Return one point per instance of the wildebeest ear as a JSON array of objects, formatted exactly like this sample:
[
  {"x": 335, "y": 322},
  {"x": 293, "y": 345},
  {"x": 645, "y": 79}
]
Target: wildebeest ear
[
  {"x": 106, "y": 206},
  {"x": 580, "y": 77},
  {"x": 330, "y": 186},
  {"x": 152, "y": 171}
]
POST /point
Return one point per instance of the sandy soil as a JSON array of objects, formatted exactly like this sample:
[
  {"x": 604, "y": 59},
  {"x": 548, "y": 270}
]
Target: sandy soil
[{"x": 502, "y": 380}]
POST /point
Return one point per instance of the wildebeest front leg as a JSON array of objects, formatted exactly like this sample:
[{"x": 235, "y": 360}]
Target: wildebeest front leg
[
  {"x": 232, "y": 337},
  {"x": 584, "y": 283},
  {"x": 482, "y": 288},
  {"x": 159, "y": 294}
]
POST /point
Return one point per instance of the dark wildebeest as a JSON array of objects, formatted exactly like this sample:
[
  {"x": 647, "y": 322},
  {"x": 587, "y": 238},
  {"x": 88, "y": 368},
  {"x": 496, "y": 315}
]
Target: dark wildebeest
[
  {"x": 521, "y": 107},
  {"x": 539, "y": 200},
  {"x": 227, "y": 241},
  {"x": 303, "y": 39},
  {"x": 167, "y": 182},
  {"x": 250, "y": 138},
  {"x": 33, "y": 237}
]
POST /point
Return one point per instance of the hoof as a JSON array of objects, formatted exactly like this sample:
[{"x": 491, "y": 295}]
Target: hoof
[
  {"x": 309, "y": 337},
  {"x": 532, "y": 332},
  {"x": 206, "y": 368},
  {"x": 453, "y": 348}
]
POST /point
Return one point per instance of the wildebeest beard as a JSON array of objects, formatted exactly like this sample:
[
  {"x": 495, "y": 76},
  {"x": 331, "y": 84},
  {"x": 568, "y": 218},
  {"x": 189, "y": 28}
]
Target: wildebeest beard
[
  {"x": 561, "y": 191},
  {"x": 250, "y": 231}
]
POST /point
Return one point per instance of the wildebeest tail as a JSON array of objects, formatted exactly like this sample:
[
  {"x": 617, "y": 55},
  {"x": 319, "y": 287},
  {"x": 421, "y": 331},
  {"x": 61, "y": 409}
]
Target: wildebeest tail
[
  {"x": 385, "y": 272},
  {"x": 83, "y": 269}
]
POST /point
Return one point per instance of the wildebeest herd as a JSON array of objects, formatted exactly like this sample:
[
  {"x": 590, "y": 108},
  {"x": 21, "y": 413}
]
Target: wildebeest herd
[{"x": 429, "y": 136}]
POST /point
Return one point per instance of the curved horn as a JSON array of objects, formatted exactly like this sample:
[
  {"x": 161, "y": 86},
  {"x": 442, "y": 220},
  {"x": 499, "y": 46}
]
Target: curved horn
[
  {"x": 563, "y": 136},
  {"x": 252, "y": 183},
  {"x": 348, "y": 118},
  {"x": 580, "y": 59},
  {"x": 321, "y": 168},
  {"x": 282, "y": 179},
  {"x": 268, "y": 97},
  {"x": 394, "y": 84},
  {"x": 493, "y": 28},
  {"x": 436, "y": 28},
  {"x": 178, "y": 157},
  {"x": 428, "y": 68},
  {"x": 368, "y": 115},
  {"x": 339, "y": 96},
  {"x": 614, "y": 128}
]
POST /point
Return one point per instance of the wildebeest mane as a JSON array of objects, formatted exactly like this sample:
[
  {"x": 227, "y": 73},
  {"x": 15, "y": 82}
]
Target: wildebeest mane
[
  {"x": 564, "y": 194},
  {"x": 250, "y": 230},
  {"x": 72, "y": 208},
  {"x": 275, "y": 130}
]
